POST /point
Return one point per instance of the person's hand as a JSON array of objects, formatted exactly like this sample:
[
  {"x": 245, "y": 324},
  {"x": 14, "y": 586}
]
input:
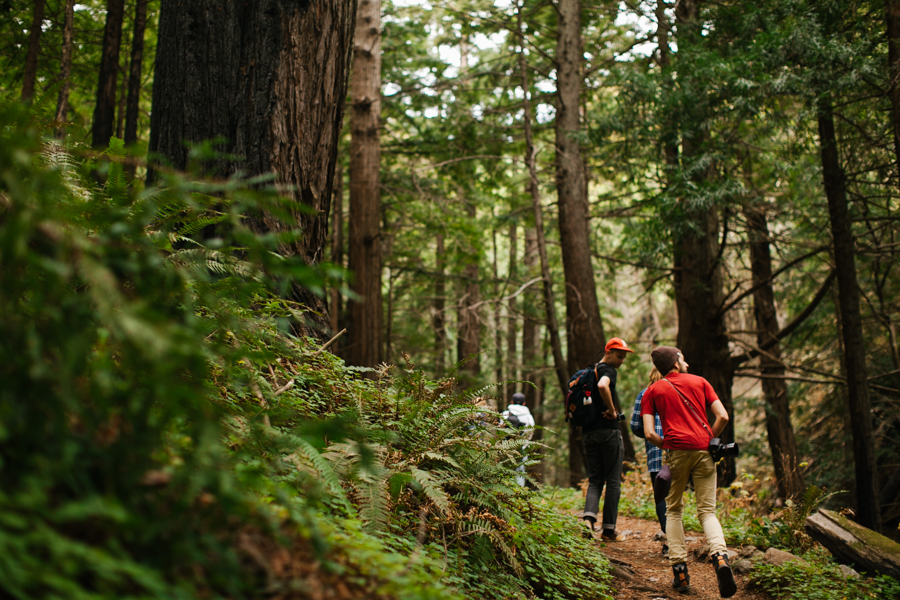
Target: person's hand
[{"x": 609, "y": 414}]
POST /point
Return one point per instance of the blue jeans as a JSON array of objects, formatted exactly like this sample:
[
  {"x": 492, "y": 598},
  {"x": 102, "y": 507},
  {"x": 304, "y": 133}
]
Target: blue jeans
[
  {"x": 603, "y": 454},
  {"x": 659, "y": 499}
]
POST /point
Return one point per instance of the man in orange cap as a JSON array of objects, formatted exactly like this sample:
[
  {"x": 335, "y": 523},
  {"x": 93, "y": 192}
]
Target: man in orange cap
[{"x": 603, "y": 447}]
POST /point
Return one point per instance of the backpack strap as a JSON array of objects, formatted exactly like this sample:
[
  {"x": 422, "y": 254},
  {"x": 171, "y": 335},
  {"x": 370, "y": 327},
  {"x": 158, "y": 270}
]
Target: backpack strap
[{"x": 691, "y": 408}]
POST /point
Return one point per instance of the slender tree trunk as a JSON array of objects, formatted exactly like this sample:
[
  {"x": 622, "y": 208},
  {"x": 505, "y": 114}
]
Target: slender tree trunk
[
  {"x": 576, "y": 458},
  {"x": 469, "y": 334},
  {"x": 337, "y": 250},
  {"x": 364, "y": 315},
  {"x": 530, "y": 350},
  {"x": 439, "y": 321},
  {"x": 105, "y": 108},
  {"x": 584, "y": 328},
  {"x": 512, "y": 320},
  {"x": 782, "y": 442},
  {"x": 498, "y": 329},
  {"x": 868, "y": 509},
  {"x": 65, "y": 67},
  {"x": 132, "y": 109},
  {"x": 270, "y": 81},
  {"x": 120, "y": 107},
  {"x": 530, "y": 320},
  {"x": 892, "y": 21},
  {"x": 34, "y": 47}
]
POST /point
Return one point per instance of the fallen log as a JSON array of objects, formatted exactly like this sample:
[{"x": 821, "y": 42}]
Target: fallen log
[{"x": 851, "y": 543}]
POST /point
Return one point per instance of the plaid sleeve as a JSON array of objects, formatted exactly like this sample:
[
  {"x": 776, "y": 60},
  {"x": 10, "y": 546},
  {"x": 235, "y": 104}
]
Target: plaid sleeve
[{"x": 637, "y": 424}]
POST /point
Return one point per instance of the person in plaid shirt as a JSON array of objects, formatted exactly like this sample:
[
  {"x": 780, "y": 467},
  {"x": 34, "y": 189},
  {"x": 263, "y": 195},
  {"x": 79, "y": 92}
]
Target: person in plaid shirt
[{"x": 654, "y": 457}]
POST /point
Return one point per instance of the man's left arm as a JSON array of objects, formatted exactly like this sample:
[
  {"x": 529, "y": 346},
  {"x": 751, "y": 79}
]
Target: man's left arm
[{"x": 721, "y": 417}]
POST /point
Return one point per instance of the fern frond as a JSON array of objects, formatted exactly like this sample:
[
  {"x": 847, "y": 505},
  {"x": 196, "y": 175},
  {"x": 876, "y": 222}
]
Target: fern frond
[
  {"x": 432, "y": 488},
  {"x": 373, "y": 505}
]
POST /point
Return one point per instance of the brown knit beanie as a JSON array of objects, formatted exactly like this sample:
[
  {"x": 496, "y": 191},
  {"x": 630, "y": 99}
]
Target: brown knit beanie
[{"x": 664, "y": 358}]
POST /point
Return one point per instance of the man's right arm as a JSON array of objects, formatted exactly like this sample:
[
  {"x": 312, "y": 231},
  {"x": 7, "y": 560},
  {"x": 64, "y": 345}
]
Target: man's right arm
[
  {"x": 650, "y": 430},
  {"x": 606, "y": 395}
]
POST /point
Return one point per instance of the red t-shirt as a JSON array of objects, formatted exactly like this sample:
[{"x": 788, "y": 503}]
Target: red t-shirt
[{"x": 681, "y": 427}]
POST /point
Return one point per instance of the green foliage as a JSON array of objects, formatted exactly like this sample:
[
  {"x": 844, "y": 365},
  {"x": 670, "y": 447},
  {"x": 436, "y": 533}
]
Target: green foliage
[
  {"x": 819, "y": 579},
  {"x": 158, "y": 413},
  {"x": 787, "y": 530}
]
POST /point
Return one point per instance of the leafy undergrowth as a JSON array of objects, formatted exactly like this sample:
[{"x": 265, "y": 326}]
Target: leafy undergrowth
[
  {"x": 818, "y": 578},
  {"x": 164, "y": 435}
]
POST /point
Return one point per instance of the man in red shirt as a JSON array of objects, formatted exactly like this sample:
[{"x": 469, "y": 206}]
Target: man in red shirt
[{"x": 681, "y": 401}]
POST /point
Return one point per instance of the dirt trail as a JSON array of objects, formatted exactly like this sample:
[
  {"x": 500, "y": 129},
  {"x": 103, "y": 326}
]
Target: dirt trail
[{"x": 640, "y": 557}]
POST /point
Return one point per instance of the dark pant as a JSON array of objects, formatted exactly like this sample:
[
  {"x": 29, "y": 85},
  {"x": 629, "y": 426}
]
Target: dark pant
[
  {"x": 603, "y": 454},
  {"x": 659, "y": 499}
]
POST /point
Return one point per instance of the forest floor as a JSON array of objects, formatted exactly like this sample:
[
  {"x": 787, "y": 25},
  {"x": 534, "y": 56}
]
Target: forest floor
[{"x": 640, "y": 557}]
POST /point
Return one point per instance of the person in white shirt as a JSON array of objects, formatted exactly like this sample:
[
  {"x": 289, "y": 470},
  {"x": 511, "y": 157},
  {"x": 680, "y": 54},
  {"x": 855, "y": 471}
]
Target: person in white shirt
[{"x": 518, "y": 416}]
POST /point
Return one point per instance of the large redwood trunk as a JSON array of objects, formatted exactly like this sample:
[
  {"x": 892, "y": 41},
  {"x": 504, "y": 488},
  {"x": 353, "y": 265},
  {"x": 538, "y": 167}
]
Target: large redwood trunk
[
  {"x": 105, "y": 108},
  {"x": 859, "y": 408},
  {"x": 34, "y": 46},
  {"x": 782, "y": 442},
  {"x": 364, "y": 320},
  {"x": 269, "y": 78}
]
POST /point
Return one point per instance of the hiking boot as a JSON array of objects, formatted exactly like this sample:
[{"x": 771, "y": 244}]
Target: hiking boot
[
  {"x": 588, "y": 530},
  {"x": 665, "y": 551},
  {"x": 727, "y": 587},
  {"x": 682, "y": 581},
  {"x": 610, "y": 535}
]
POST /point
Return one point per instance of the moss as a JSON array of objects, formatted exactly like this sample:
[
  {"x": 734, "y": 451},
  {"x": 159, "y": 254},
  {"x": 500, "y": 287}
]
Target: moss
[{"x": 867, "y": 536}]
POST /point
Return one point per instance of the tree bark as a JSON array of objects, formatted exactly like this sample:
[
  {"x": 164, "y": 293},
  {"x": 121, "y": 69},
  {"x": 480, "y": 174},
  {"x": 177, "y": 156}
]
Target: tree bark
[
  {"x": 584, "y": 327},
  {"x": 364, "y": 315},
  {"x": 337, "y": 250},
  {"x": 105, "y": 107},
  {"x": 65, "y": 67},
  {"x": 782, "y": 442},
  {"x": 868, "y": 509},
  {"x": 34, "y": 47},
  {"x": 269, "y": 79},
  {"x": 134, "y": 74}
]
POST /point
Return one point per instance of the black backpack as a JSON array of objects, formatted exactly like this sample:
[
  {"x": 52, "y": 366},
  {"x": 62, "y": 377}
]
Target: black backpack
[
  {"x": 514, "y": 421},
  {"x": 581, "y": 384}
]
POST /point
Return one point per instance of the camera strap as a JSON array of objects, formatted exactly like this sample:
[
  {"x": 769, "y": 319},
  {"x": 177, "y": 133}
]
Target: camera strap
[{"x": 691, "y": 408}]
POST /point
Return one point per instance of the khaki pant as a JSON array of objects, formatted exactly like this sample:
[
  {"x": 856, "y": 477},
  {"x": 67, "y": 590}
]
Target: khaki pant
[{"x": 699, "y": 465}]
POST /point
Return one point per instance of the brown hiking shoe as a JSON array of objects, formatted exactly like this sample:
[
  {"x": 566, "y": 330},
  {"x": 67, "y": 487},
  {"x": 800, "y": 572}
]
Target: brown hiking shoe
[
  {"x": 727, "y": 586},
  {"x": 610, "y": 535},
  {"x": 681, "y": 581}
]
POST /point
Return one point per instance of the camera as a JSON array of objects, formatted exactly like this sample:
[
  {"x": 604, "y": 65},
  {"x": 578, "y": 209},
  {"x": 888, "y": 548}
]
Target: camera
[
  {"x": 719, "y": 450},
  {"x": 621, "y": 416}
]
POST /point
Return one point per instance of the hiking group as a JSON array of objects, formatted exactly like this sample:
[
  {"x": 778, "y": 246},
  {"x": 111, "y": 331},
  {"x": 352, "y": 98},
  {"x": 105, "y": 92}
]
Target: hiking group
[{"x": 670, "y": 414}]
